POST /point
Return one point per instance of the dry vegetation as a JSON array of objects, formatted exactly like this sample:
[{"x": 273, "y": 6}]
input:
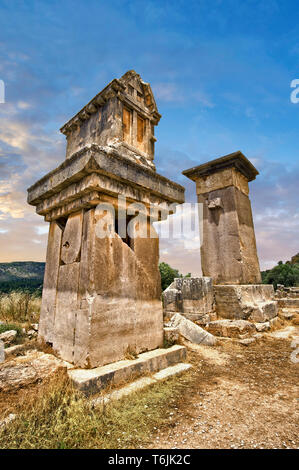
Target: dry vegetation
[
  {"x": 235, "y": 396},
  {"x": 19, "y": 308},
  {"x": 54, "y": 415}
]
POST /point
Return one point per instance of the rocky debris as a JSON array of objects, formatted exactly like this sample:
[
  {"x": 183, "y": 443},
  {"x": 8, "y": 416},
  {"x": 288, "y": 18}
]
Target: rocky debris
[
  {"x": 265, "y": 326},
  {"x": 14, "y": 350},
  {"x": 288, "y": 332},
  {"x": 171, "y": 335},
  {"x": 191, "y": 331},
  {"x": 257, "y": 335},
  {"x": 288, "y": 303},
  {"x": 231, "y": 328},
  {"x": 4, "y": 422},
  {"x": 192, "y": 297},
  {"x": 8, "y": 336},
  {"x": 286, "y": 314},
  {"x": 2, "y": 352},
  {"x": 31, "y": 333},
  {"x": 247, "y": 302},
  {"x": 26, "y": 370},
  {"x": 274, "y": 322},
  {"x": 247, "y": 341}
]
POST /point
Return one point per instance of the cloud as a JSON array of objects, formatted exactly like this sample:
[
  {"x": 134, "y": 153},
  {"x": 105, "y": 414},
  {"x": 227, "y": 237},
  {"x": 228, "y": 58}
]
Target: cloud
[{"x": 175, "y": 93}]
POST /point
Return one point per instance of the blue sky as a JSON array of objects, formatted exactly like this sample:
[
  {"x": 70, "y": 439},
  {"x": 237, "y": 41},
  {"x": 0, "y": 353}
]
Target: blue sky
[{"x": 220, "y": 72}]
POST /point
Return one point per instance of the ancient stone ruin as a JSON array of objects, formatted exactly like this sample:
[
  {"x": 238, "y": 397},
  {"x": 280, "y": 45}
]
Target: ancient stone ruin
[
  {"x": 102, "y": 295},
  {"x": 228, "y": 251},
  {"x": 101, "y": 305},
  {"x": 230, "y": 297}
]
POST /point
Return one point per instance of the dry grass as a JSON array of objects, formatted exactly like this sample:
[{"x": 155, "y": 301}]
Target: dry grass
[
  {"x": 19, "y": 307},
  {"x": 55, "y": 416}
]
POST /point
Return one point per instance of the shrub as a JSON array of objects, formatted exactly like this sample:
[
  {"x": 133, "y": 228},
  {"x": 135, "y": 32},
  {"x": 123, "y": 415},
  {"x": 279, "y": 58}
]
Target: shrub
[
  {"x": 168, "y": 274},
  {"x": 19, "y": 307}
]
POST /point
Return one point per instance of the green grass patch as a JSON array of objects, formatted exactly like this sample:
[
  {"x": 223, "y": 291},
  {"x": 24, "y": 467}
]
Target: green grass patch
[{"x": 11, "y": 326}]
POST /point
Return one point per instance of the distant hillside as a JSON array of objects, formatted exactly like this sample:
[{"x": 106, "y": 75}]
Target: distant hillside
[{"x": 21, "y": 275}]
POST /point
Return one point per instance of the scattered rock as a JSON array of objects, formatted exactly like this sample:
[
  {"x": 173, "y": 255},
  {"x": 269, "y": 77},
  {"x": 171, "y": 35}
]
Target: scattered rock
[
  {"x": 171, "y": 335},
  {"x": 26, "y": 370},
  {"x": 274, "y": 322},
  {"x": 265, "y": 326},
  {"x": 247, "y": 341},
  {"x": 2, "y": 352},
  {"x": 231, "y": 328},
  {"x": 288, "y": 332},
  {"x": 191, "y": 331},
  {"x": 8, "y": 336},
  {"x": 257, "y": 335},
  {"x": 13, "y": 350},
  {"x": 287, "y": 315},
  {"x": 31, "y": 333},
  {"x": 4, "y": 422}
]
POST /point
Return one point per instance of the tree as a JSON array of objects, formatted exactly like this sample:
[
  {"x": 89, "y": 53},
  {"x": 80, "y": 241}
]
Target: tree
[
  {"x": 284, "y": 273},
  {"x": 168, "y": 274}
]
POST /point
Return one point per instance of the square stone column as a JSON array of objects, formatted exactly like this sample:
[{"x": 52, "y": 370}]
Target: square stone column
[
  {"x": 228, "y": 247},
  {"x": 228, "y": 250}
]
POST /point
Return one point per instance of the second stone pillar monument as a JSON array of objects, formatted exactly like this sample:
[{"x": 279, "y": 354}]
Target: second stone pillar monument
[{"x": 228, "y": 246}]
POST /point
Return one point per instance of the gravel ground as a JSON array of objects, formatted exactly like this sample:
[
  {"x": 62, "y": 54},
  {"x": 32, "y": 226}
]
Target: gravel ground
[{"x": 241, "y": 397}]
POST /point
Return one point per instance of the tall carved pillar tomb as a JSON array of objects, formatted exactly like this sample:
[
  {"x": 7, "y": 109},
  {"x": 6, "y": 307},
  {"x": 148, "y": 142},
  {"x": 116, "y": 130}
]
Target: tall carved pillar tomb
[{"x": 102, "y": 294}]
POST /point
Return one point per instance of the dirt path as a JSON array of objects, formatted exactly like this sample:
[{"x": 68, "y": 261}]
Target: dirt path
[{"x": 241, "y": 397}]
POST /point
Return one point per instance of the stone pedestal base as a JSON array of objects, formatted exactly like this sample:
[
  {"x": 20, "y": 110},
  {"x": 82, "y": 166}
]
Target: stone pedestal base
[
  {"x": 245, "y": 302},
  {"x": 192, "y": 297},
  {"x": 91, "y": 381}
]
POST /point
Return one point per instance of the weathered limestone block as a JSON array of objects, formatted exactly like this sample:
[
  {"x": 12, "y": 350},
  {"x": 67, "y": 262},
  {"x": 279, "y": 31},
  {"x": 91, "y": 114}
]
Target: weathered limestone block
[
  {"x": 15, "y": 350},
  {"x": 248, "y": 341},
  {"x": 91, "y": 381},
  {"x": 261, "y": 327},
  {"x": 171, "y": 334},
  {"x": 48, "y": 306},
  {"x": 231, "y": 328},
  {"x": 288, "y": 303},
  {"x": 66, "y": 310},
  {"x": 71, "y": 240},
  {"x": 8, "y": 337},
  {"x": 28, "y": 369},
  {"x": 2, "y": 352},
  {"x": 192, "y": 297},
  {"x": 191, "y": 331},
  {"x": 287, "y": 292},
  {"x": 249, "y": 302},
  {"x": 228, "y": 251}
]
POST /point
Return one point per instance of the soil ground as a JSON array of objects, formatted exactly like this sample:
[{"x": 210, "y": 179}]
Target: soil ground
[{"x": 241, "y": 397}]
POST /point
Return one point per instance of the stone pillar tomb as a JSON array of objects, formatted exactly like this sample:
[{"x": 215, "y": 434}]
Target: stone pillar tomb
[
  {"x": 102, "y": 296},
  {"x": 228, "y": 250}
]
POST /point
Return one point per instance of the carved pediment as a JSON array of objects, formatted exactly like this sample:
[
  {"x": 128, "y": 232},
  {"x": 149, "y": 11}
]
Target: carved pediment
[{"x": 139, "y": 91}]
